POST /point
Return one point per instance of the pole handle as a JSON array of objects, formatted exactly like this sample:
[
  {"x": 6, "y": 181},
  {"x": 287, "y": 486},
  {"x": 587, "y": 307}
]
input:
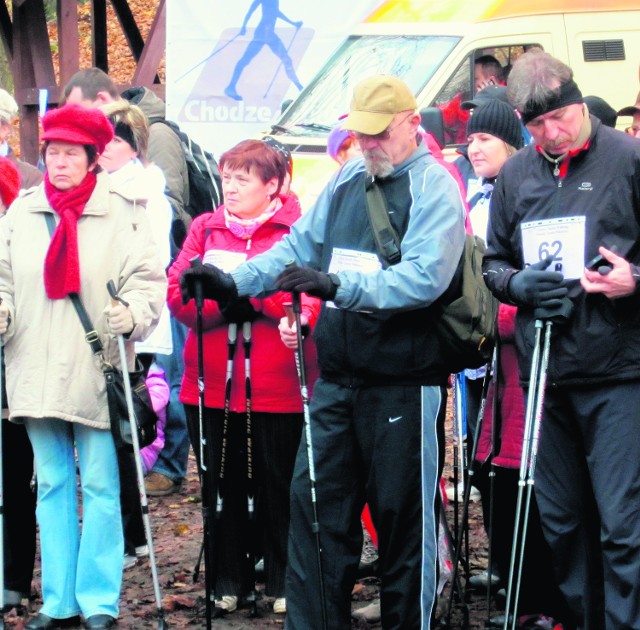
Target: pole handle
[
  {"x": 288, "y": 309},
  {"x": 113, "y": 292},
  {"x": 196, "y": 261}
]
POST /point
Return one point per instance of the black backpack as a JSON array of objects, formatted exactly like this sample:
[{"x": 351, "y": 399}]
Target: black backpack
[{"x": 205, "y": 183}]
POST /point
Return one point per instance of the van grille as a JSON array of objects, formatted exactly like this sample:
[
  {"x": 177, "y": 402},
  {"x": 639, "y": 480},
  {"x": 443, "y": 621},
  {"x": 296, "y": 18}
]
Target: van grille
[{"x": 603, "y": 50}]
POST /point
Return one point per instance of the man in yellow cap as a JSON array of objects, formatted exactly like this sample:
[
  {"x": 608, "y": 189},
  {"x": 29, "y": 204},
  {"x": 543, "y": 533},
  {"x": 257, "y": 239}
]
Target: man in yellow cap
[{"x": 379, "y": 404}]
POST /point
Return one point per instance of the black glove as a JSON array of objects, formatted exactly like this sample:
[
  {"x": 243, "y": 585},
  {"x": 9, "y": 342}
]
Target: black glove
[
  {"x": 216, "y": 284},
  {"x": 238, "y": 311},
  {"x": 309, "y": 281},
  {"x": 533, "y": 286}
]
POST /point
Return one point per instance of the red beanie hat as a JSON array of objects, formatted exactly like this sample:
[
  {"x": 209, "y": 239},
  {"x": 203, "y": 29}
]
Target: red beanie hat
[
  {"x": 77, "y": 125},
  {"x": 9, "y": 181}
]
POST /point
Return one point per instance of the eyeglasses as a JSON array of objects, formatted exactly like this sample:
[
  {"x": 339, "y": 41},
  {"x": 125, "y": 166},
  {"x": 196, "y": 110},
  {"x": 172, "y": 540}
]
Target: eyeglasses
[
  {"x": 383, "y": 135},
  {"x": 633, "y": 131}
]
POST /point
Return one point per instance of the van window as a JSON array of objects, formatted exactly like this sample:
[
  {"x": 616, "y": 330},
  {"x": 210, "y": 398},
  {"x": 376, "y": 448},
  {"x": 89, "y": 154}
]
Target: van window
[
  {"x": 319, "y": 107},
  {"x": 484, "y": 65}
]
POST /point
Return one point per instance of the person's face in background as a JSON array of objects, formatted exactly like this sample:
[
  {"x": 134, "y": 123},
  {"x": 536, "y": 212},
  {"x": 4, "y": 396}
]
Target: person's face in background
[
  {"x": 557, "y": 131},
  {"x": 116, "y": 154},
  {"x": 77, "y": 97},
  {"x": 245, "y": 194},
  {"x": 67, "y": 164},
  {"x": 482, "y": 79},
  {"x": 487, "y": 154},
  {"x": 349, "y": 148},
  {"x": 634, "y": 128}
]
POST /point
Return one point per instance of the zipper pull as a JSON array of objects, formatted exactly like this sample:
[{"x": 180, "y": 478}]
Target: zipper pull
[{"x": 248, "y": 245}]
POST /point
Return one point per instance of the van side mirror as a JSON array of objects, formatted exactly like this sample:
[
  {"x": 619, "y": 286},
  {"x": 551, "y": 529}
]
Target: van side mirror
[{"x": 433, "y": 122}]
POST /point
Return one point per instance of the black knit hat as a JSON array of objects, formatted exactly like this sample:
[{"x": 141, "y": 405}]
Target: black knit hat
[{"x": 498, "y": 119}]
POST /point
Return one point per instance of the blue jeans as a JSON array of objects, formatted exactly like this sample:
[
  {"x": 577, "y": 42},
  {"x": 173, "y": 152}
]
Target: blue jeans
[
  {"x": 172, "y": 460},
  {"x": 81, "y": 573}
]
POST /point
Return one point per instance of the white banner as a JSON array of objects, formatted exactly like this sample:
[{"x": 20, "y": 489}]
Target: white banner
[{"x": 230, "y": 65}]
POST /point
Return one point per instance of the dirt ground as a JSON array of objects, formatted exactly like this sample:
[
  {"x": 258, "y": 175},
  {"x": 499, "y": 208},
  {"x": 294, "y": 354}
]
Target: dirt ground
[{"x": 177, "y": 527}]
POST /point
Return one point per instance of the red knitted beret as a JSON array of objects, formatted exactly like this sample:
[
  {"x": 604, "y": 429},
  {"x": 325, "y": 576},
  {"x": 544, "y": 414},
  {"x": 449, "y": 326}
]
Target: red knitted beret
[
  {"x": 9, "y": 181},
  {"x": 77, "y": 125}
]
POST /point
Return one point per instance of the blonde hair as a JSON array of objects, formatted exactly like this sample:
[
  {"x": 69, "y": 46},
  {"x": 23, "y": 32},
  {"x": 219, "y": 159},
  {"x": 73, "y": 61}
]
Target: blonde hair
[{"x": 122, "y": 112}]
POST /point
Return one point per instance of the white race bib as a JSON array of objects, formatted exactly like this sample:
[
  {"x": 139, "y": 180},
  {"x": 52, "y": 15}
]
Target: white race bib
[
  {"x": 227, "y": 261},
  {"x": 562, "y": 238},
  {"x": 352, "y": 260}
]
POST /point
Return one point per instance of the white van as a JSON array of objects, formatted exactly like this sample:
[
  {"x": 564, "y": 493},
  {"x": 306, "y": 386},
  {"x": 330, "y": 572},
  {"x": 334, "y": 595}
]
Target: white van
[{"x": 433, "y": 45}]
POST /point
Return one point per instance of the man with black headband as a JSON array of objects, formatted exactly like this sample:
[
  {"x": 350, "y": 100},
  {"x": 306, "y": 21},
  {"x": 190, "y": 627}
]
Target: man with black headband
[{"x": 572, "y": 195}]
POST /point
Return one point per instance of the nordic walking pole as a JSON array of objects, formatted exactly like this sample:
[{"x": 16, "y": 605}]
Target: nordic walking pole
[
  {"x": 232, "y": 337},
  {"x": 526, "y": 442},
  {"x": 533, "y": 420},
  {"x": 467, "y": 493},
  {"x": 206, "y": 549},
  {"x": 296, "y": 308},
  {"x": 251, "y": 514},
  {"x": 162, "y": 625},
  {"x": 531, "y": 464},
  {"x": 495, "y": 432}
]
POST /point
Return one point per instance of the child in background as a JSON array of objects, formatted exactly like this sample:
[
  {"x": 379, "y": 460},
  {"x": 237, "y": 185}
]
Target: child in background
[{"x": 159, "y": 393}]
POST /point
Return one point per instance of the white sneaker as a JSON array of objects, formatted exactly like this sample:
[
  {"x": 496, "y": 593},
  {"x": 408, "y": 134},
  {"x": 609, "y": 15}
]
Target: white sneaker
[
  {"x": 474, "y": 495},
  {"x": 370, "y": 613},
  {"x": 142, "y": 551},
  {"x": 227, "y": 603},
  {"x": 280, "y": 606},
  {"x": 129, "y": 562}
]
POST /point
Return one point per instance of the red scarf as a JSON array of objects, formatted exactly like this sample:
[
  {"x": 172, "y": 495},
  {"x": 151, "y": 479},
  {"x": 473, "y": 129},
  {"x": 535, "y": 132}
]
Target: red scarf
[{"x": 61, "y": 265}]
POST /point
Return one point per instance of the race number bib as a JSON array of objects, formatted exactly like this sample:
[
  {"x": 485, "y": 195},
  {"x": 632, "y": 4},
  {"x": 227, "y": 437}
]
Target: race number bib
[
  {"x": 227, "y": 261},
  {"x": 352, "y": 260},
  {"x": 561, "y": 238}
]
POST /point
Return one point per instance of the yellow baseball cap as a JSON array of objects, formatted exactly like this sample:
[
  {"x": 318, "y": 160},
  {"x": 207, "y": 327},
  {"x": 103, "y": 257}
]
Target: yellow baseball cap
[{"x": 375, "y": 102}]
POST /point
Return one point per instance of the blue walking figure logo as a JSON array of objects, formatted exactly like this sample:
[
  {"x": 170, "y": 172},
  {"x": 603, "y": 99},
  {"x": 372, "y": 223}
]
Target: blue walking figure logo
[{"x": 264, "y": 35}]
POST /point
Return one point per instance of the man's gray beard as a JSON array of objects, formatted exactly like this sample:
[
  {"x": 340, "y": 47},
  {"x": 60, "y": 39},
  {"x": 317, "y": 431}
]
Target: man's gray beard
[{"x": 377, "y": 163}]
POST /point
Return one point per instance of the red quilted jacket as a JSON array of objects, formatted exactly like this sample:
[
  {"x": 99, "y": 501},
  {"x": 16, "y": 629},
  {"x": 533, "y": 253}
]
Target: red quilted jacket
[
  {"x": 274, "y": 379},
  {"x": 511, "y": 399}
]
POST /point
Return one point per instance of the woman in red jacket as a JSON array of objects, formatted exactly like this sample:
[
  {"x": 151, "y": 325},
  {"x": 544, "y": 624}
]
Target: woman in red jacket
[{"x": 255, "y": 215}]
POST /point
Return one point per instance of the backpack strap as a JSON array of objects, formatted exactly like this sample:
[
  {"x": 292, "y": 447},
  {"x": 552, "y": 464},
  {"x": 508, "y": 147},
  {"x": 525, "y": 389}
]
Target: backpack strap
[{"x": 387, "y": 239}]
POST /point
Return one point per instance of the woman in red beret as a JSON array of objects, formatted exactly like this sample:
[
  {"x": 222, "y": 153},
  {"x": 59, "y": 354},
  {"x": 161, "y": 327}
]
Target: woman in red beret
[{"x": 55, "y": 385}]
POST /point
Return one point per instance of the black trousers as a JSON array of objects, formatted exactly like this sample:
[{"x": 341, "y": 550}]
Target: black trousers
[
  {"x": 275, "y": 439},
  {"x": 588, "y": 491},
  {"x": 19, "y": 508},
  {"x": 539, "y": 591},
  {"x": 378, "y": 445},
  {"x": 132, "y": 523}
]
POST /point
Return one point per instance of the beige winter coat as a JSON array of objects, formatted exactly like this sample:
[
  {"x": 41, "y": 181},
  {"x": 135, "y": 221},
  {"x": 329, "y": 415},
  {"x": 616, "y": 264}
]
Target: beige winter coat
[{"x": 51, "y": 371}]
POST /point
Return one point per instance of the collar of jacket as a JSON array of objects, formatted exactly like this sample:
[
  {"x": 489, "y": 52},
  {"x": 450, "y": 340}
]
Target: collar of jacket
[
  {"x": 287, "y": 215},
  {"x": 98, "y": 203}
]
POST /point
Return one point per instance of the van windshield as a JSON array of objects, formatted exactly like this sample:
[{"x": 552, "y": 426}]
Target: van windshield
[{"x": 412, "y": 58}]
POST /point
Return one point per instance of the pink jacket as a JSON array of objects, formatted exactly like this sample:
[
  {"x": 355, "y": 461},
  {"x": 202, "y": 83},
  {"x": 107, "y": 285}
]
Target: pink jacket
[{"x": 159, "y": 392}]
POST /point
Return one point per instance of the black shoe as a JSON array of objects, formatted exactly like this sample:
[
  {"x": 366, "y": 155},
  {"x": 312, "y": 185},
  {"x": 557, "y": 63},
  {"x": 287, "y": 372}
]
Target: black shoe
[
  {"x": 100, "y": 622},
  {"x": 42, "y": 622}
]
